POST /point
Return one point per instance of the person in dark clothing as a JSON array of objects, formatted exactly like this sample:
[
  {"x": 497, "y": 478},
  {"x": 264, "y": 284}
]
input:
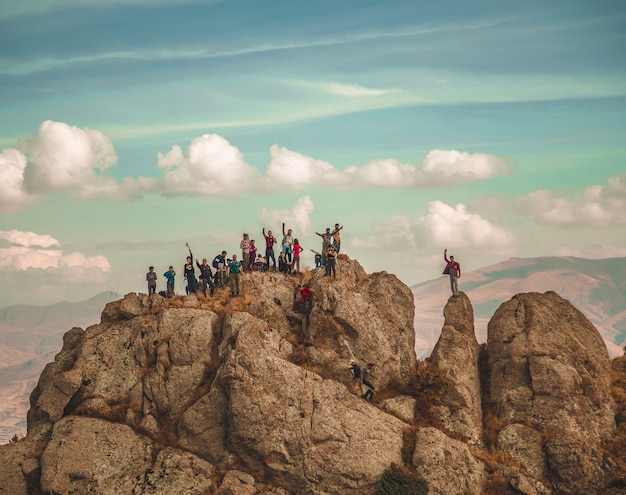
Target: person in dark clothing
[
  {"x": 331, "y": 261},
  {"x": 220, "y": 268},
  {"x": 190, "y": 275},
  {"x": 206, "y": 276},
  {"x": 367, "y": 374},
  {"x": 356, "y": 375},
  {"x": 151, "y": 278}
]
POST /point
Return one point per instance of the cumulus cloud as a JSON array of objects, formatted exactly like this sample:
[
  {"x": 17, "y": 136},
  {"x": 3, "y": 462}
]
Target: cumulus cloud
[
  {"x": 211, "y": 166},
  {"x": 28, "y": 238},
  {"x": 442, "y": 225},
  {"x": 292, "y": 170},
  {"x": 297, "y": 217},
  {"x": 599, "y": 206},
  {"x": 440, "y": 168},
  {"x": 61, "y": 157},
  {"x": 13, "y": 195},
  {"x": 448, "y": 226},
  {"x": 64, "y": 158},
  {"x": 32, "y": 253}
]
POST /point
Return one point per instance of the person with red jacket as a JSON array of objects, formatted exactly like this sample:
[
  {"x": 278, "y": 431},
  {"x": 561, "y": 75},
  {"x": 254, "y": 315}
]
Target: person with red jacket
[{"x": 454, "y": 270}]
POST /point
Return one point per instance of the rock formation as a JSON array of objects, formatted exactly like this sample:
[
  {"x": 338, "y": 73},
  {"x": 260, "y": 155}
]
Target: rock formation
[
  {"x": 248, "y": 396},
  {"x": 456, "y": 355},
  {"x": 550, "y": 384}
]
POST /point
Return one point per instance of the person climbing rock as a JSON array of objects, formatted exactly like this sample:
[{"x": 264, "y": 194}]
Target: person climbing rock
[
  {"x": 355, "y": 368},
  {"x": 367, "y": 375}
]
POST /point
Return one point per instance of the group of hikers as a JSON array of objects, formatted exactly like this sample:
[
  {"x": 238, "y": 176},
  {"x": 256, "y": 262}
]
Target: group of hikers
[{"x": 223, "y": 270}]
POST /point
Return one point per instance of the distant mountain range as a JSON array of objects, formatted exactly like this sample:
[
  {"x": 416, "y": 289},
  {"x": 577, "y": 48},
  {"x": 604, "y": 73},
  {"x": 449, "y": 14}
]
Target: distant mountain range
[
  {"x": 30, "y": 337},
  {"x": 595, "y": 287}
]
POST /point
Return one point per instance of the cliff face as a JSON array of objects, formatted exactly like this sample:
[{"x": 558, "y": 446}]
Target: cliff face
[{"x": 247, "y": 396}]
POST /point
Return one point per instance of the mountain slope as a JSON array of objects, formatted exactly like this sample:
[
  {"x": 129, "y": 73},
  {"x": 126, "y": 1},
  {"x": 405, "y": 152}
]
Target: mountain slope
[
  {"x": 30, "y": 336},
  {"x": 596, "y": 287}
]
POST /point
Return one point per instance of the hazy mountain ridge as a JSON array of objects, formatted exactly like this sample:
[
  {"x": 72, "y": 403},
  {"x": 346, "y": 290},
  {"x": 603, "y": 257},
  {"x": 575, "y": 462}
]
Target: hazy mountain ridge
[
  {"x": 596, "y": 287},
  {"x": 30, "y": 337}
]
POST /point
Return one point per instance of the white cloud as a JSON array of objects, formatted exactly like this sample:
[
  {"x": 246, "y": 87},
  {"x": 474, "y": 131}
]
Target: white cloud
[
  {"x": 211, "y": 166},
  {"x": 599, "y": 206},
  {"x": 456, "y": 227},
  {"x": 60, "y": 157},
  {"x": 292, "y": 170},
  {"x": 63, "y": 157},
  {"x": 296, "y": 218},
  {"x": 440, "y": 168},
  {"x": 13, "y": 196},
  {"x": 442, "y": 226},
  {"x": 26, "y": 257},
  {"x": 28, "y": 238},
  {"x": 353, "y": 90}
]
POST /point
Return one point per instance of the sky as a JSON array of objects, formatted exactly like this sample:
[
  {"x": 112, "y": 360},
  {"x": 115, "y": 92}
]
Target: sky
[{"x": 129, "y": 128}]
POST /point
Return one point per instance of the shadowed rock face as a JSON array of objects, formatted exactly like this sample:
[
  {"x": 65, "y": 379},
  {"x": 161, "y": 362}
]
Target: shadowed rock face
[
  {"x": 241, "y": 396},
  {"x": 549, "y": 380}
]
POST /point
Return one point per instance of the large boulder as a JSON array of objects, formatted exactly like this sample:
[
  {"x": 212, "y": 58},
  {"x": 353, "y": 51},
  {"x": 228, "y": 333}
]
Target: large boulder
[
  {"x": 89, "y": 455},
  {"x": 549, "y": 372},
  {"x": 309, "y": 431},
  {"x": 447, "y": 464},
  {"x": 456, "y": 356}
]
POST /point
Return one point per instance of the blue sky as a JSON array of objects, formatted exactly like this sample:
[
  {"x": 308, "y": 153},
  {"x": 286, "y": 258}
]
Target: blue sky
[{"x": 127, "y": 128}]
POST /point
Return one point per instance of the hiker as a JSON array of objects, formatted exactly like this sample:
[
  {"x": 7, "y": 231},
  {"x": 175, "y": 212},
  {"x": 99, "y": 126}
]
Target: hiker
[
  {"x": 259, "y": 265},
  {"x": 331, "y": 261},
  {"x": 234, "y": 269},
  {"x": 297, "y": 249},
  {"x": 206, "y": 276},
  {"x": 284, "y": 265},
  {"x": 306, "y": 296},
  {"x": 326, "y": 241},
  {"x": 219, "y": 264},
  {"x": 270, "y": 240},
  {"x": 337, "y": 237},
  {"x": 287, "y": 244},
  {"x": 367, "y": 374},
  {"x": 170, "y": 275},
  {"x": 151, "y": 278},
  {"x": 454, "y": 270},
  {"x": 245, "y": 252},
  {"x": 252, "y": 254},
  {"x": 356, "y": 376},
  {"x": 190, "y": 275},
  {"x": 319, "y": 260}
]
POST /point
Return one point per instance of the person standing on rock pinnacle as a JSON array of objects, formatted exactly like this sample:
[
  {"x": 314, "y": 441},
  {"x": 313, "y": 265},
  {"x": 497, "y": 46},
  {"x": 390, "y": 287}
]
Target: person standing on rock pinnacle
[{"x": 454, "y": 270}]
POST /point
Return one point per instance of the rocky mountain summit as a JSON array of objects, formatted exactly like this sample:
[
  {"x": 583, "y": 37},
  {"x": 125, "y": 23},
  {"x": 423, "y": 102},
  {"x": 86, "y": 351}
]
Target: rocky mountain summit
[{"x": 248, "y": 395}]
